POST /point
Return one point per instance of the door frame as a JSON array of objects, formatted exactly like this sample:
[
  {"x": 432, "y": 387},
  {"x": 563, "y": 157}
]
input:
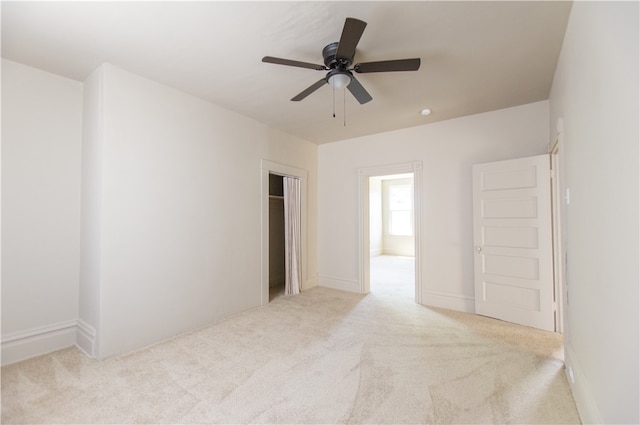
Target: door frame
[
  {"x": 364, "y": 174},
  {"x": 266, "y": 168},
  {"x": 558, "y": 203}
]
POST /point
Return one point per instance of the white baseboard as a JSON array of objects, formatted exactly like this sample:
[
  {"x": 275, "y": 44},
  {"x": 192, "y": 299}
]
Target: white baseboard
[
  {"x": 33, "y": 342},
  {"x": 310, "y": 283},
  {"x": 448, "y": 301},
  {"x": 339, "y": 283},
  {"x": 85, "y": 338},
  {"x": 398, "y": 252},
  {"x": 586, "y": 404}
]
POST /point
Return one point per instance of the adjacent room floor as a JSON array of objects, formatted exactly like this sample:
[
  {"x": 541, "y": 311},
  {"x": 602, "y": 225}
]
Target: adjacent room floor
[
  {"x": 392, "y": 275},
  {"x": 323, "y": 356}
]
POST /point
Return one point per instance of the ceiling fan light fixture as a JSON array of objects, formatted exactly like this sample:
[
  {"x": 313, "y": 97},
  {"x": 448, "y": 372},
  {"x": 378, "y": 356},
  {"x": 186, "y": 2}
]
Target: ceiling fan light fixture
[{"x": 339, "y": 80}]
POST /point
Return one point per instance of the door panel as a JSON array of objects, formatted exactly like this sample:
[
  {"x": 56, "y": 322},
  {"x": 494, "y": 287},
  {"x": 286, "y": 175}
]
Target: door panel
[
  {"x": 510, "y": 237},
  {"x": 509, "y": 207},
  {"x": 509, "y": 266},
  {"x": 513, "y": 245}
]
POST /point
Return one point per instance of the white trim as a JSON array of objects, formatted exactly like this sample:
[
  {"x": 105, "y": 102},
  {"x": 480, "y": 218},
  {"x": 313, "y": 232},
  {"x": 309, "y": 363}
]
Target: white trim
[
  {"x": 582, "y": 394},
  {"x": 85, "y": 338},
  {"x": 556, "y": 154},
  {"x": 309, "y": 283},
  {"x": 267, "y": 167},
  {"x": 449, "y": 301},
  {"x": 349, "y": 285},
  {"x": 23, "y": 345},
  {"x": 394, "y": 252},
  {"x": 363, "y": 217}
]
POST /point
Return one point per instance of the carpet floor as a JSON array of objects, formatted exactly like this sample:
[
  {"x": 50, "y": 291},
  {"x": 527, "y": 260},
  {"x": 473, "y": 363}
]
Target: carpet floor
[{"x": 323, "y": 356}]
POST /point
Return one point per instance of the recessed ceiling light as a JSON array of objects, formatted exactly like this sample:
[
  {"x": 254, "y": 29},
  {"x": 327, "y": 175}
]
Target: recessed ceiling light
[{"x": 425, "y": 112}]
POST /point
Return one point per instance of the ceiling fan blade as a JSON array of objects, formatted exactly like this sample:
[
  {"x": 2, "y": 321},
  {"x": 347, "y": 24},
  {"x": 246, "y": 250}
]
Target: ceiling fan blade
[
  {"x": 351, "y": 33},
  {"x": 306, "y": 92},
  {"x": 358, "y": 91},
  {"x": 288, "y": 62},
  {"x": 386, "y": 66}
]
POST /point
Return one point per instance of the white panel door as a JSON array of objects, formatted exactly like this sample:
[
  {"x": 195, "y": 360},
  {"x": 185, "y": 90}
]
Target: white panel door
[{"x": 513, "y": 245}]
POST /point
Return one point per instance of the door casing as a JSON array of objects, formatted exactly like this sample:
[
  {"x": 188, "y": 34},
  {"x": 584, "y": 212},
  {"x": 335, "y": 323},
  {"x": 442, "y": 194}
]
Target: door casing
[{"x": 559, "y": 202}]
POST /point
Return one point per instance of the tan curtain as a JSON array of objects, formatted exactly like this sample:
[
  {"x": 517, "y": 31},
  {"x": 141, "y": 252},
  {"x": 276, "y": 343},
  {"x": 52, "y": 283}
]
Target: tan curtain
[{"x": 293, "y": 271}]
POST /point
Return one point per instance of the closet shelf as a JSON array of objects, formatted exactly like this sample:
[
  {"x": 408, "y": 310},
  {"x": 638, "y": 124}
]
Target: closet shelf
[{"x": 276, "y": 197}]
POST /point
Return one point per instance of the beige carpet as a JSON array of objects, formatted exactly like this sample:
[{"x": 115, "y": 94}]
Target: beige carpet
[{"x": 323, "y": 356}]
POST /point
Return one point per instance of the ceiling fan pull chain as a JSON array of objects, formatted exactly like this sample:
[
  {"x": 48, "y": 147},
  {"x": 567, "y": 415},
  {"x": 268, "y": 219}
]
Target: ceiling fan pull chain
[
  {"x": 344, "y": 107},
  {"x": 334, "y": 101}
]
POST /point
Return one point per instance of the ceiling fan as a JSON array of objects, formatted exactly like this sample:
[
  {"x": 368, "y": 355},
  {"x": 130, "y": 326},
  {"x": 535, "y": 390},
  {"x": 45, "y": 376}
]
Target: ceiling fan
[{"x": 338, "y": 58}]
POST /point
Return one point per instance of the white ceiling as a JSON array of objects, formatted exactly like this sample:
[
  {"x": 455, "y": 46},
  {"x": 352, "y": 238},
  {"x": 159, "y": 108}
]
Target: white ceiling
[{"x": 476, "y": 56}]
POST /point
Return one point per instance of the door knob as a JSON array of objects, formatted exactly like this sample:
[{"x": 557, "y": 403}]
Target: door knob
[{"x": 478, "y": 249}]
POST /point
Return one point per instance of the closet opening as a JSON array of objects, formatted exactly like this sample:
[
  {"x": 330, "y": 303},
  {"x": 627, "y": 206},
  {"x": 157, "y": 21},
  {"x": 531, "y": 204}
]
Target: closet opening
[
  {"x": 276, "y": 237},
  {"x": 285, "y": 235},
  {"x": 284, "y": 211}
]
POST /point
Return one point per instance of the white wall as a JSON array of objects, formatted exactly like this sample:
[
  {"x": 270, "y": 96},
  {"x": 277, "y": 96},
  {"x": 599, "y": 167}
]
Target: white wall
[
  {"x": 131, "y": 211},
  {"x": 41, "y": 136},
  {"x": 595, "y": 92},
  {"x": 447, "y": 150},
  {"x": 180, "y": 211}
]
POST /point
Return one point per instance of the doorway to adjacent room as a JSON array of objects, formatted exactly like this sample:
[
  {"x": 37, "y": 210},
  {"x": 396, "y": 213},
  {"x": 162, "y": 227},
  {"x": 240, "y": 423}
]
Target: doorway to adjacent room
[
  {"x": 389, "y": 226},
  {"x": 391, "y": 235}
]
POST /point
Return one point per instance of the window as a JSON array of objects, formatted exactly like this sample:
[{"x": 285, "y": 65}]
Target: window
[{"x": 400, "y": 209}]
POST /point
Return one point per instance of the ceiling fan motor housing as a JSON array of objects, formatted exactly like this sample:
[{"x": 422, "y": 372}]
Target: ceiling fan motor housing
[{"x": 330, "y": 60}]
